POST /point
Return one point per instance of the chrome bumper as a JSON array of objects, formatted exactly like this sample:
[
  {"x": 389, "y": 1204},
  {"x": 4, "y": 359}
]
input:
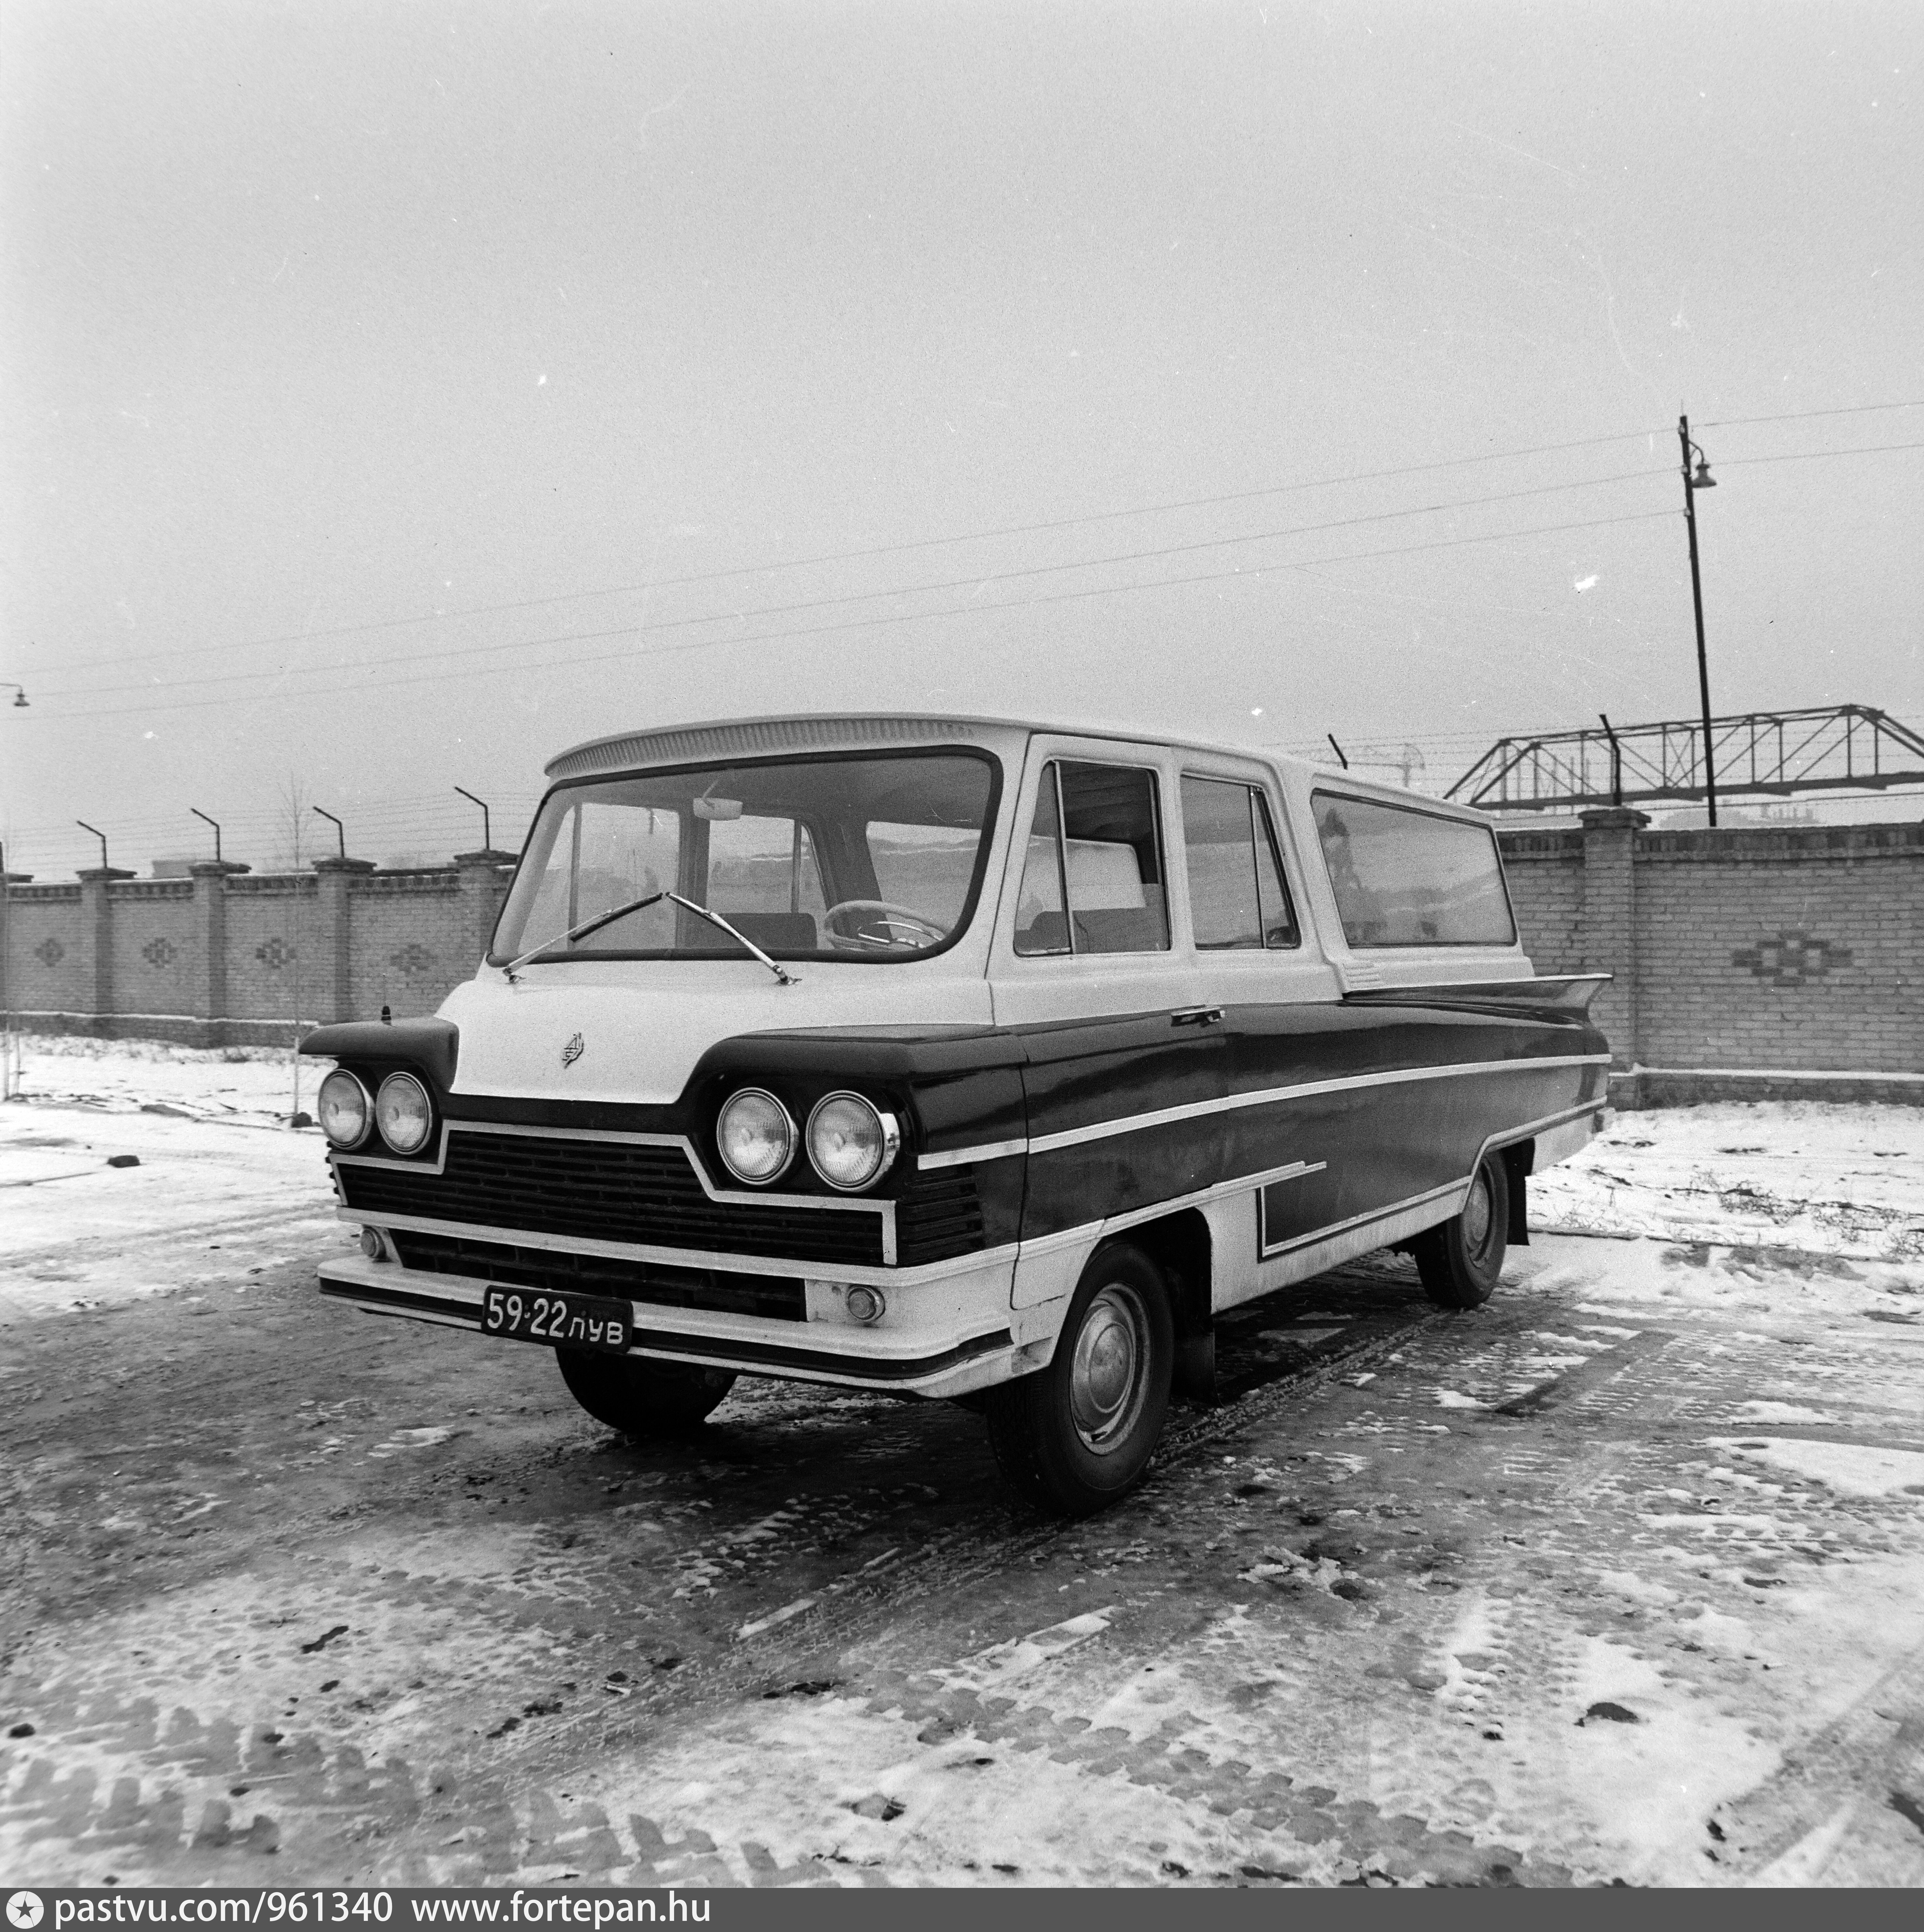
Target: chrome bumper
[{"x": 938, "y": 1339}]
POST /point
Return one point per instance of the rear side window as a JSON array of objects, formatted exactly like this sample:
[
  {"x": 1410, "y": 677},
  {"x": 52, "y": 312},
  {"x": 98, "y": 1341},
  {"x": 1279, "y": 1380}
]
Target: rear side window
[
  {"x": 1237, "y": 899},
  {"x": 1094, "y": 848},
  {"x": 1405, "y": 878}
]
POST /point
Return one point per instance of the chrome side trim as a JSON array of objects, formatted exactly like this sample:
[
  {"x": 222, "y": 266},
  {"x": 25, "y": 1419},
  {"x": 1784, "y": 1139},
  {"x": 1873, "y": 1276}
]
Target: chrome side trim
[
  {"x": 721, "y": 1260},
  {"x": 1220, "y": 1190},
  {"x": 1296, "y": 1170},
  {"x": 1328, "y": 1251},
  {"x": 1511, "y": 1135},
  {"x": 1455, "y": 1189},
  {"x": 963, "y": 1157},
  {"x": 1233, "y": 1102}
]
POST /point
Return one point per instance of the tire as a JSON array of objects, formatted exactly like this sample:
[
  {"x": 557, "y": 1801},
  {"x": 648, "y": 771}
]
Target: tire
[
  {"x": 1075, "y": 1437},
  {"x": 1459, "y": 1261},
  {"x": 640, "y": 1397}
]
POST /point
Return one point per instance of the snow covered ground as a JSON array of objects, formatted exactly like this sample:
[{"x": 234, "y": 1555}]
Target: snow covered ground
[
  {"x": 1845, "y": 1182},
  {"x": 205, "y": 1148},
  {"x": 1619, "y": 1577}
]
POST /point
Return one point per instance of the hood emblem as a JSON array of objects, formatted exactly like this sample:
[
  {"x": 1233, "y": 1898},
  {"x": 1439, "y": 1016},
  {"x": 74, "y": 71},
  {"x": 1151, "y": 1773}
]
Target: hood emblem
[{"x": 573, "y": 1051}]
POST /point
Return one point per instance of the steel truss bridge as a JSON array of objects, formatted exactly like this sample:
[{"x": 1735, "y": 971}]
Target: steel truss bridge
[{"x": 1778, "y": 753}]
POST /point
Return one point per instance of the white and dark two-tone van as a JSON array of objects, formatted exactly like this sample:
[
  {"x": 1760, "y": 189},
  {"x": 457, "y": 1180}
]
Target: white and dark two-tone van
[{"x": 968, "y": 1058}]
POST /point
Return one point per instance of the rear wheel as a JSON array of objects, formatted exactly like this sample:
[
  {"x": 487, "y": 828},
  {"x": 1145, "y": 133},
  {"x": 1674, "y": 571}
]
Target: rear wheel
[
  {"x": 1459, "y": 1261},
  {"x": 641, "y": 1397},
  {"x": 1077, "y": 1435}
]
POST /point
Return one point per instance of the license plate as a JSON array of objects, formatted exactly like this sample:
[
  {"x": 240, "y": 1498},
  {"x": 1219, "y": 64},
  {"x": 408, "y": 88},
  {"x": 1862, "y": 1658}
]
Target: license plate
[{"x": 556, "y": 1320}]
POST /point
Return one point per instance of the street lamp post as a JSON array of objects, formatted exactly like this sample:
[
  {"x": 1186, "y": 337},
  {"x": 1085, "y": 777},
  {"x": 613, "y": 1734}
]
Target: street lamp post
[{"x": 1702, "y": 480}]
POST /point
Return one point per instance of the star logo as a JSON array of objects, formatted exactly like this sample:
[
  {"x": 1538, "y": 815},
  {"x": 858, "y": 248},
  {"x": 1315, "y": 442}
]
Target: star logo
[
  {"x": 25, "y": 1911},
  {"x": 573, "y": 1051}
]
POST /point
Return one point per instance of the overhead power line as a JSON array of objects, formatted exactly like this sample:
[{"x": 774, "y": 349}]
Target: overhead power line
[
  {"x": 1805, "y": 416},
  {"x": 852, "y": 556},
  {"x": 1807, "y": 455},
  {"x": 970, "y": 610},
  {"x": 977, "y": 578},
  {"x": 376, "y": 625}
]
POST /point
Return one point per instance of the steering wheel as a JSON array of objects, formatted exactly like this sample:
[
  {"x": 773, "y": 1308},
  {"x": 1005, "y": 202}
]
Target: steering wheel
[{"x": 921, "y": 931}]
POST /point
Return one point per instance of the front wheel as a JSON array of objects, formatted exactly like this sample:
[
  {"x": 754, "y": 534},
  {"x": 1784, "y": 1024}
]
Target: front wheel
[
  {"x": 1076, "y": 1436},
  {"x": 1459, "y": 1261},
  {"x": 640, "y": 1397}
]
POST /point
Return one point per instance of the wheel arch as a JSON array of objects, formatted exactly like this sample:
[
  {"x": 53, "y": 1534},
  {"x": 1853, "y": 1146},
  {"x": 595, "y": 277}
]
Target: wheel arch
[{"x": 1182, "y": 1246}]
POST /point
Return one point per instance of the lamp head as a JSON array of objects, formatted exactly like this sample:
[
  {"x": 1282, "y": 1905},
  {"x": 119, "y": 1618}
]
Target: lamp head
[{"x": 1703, "y": 480}]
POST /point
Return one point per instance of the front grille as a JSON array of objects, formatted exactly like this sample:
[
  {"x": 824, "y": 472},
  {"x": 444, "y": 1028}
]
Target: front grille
[
  {"x": 780, "y": 1299},
  {"x": 606, "y": 1191},
  {"x": 939, "y": 1216}
]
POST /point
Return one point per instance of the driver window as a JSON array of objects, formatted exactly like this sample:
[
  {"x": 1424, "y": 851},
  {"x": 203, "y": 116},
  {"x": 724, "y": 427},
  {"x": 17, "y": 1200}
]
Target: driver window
[{"x": 1095, "y": 833}]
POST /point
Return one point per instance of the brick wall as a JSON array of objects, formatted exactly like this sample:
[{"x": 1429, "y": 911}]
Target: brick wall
[
  {"x": 411, "y": 942},
  {"x": 1750, "y": 963},
  {"x": 1546, "y": 875},
  {"x": 157, "y": 946},
  {"x": 229, "y": 956},
  {"x": 1758, "y": 962},
  {"x": 273, "y": 942},
  {"x": 45, "y": 954}
]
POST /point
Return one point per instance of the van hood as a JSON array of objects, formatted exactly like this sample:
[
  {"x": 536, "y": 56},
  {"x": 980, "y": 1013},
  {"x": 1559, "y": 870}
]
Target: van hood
[{"x": 638, "y": 1037}]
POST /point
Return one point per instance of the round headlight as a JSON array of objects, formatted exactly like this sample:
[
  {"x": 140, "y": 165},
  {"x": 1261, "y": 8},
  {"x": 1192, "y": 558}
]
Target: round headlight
[
  {"x": 850, "y": 1142},
  {"x": 346, "y": 1113},
  {"x": 755, "y": 1136},
  {"x": 403, "y": 1112}
]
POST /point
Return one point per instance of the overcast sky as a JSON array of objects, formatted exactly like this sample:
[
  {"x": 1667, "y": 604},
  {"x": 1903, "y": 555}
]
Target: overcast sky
[{"x": 331, "y": 329}]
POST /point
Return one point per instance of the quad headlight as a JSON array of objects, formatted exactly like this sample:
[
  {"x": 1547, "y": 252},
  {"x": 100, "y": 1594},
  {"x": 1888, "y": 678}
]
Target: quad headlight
[
  {"x": 756, "y": 1137},
  {"x": 346, "y": 1111},
  {"x": 850, "y": 1141},
  {"x": 403, "y": 1113}
]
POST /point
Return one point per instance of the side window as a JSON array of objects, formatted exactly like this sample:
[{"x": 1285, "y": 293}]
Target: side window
[
  {"x": 1041, "y": 919},
  {"x": 1279, "y": 926},
  {"x": 1220, "y": 841},
  {"x": 1406, "y": 877},
  {"x": 1237, "y": 898},
  {"x": 1094, "y": 842}
]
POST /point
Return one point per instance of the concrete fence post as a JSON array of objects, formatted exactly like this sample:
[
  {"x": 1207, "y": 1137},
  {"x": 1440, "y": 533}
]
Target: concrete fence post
[
  {"x": 482, "y": 890},
  {"x": 97, "y": 939},
  {"x": 1610, "y": 925},
  {"x": 209, "y": 924},
  {"x": 332, "y": 996}
]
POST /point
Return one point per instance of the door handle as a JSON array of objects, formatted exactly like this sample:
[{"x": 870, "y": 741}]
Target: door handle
[{"x": 1197, "y": 1016}]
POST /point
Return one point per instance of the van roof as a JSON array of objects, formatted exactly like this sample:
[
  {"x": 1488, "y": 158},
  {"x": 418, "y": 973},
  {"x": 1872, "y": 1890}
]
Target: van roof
[{"x": 775, "y": 734}]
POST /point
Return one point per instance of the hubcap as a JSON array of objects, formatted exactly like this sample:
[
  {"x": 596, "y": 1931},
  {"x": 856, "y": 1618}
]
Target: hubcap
[
  {"x": 1106, "y": 1373},
  {"x": 1476, "y": 1215}
]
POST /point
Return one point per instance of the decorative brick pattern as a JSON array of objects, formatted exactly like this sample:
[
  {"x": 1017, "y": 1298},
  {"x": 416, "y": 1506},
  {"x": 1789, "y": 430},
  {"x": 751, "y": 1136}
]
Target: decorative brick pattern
[
  {"x": 1791, "y": 959},
  {"x": 411, "y": 961},
  {"x": 275, "y": 953},
  {"x": 49, "y": 952},
  {"x": 161, "y": 952}
]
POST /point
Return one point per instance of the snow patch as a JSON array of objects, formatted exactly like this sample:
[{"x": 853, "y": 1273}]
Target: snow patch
[
  {"x": 1003, "y": 1661},
  {"x": 1851, "y": 1469}
]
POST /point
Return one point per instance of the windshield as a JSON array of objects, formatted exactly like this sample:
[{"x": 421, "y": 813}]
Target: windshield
[{"x": 876, "y": 858}]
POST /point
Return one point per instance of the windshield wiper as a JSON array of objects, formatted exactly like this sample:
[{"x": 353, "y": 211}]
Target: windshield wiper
[
  {"x": 594, "y": 925},
  {"x": 781, "y": 973}
]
